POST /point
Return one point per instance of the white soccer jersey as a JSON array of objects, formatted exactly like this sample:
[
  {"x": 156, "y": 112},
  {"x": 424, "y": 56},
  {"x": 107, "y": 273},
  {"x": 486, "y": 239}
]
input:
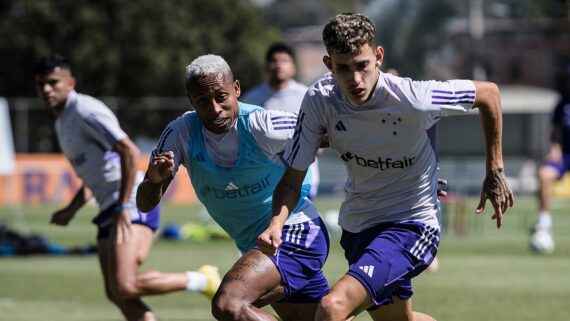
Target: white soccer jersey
[
  {"x": 87, "y": 130},
  {"x": 383, "y": 143},
  {"x": 288, "y": 98}
]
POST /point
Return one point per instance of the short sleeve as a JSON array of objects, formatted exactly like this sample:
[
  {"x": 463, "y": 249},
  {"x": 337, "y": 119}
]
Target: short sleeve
[
  {"x": 301, "y": 151},
  {"x": 102, "y": 126},
  {"x": 436, "y": 99},
  {"x": 171, "y": 139},
  {"x": 272, "y": 130}
]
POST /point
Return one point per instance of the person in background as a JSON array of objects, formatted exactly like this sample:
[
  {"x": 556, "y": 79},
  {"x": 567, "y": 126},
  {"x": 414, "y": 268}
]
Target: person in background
[
  {"x": 282, "y": 92},
  {"x": 105, "y": 159},
  {"x": 557, "y": 161}
]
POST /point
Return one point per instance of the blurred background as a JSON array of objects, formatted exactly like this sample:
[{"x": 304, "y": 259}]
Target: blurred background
[{"x": 132, "y": 55}]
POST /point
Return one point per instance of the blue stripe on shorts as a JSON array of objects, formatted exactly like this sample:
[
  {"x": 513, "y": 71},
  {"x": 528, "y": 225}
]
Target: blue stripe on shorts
[
  {"x": 150, "y": 219},
  {"x": 386, "y": 257},
  {"x": 300, "y": 259}
]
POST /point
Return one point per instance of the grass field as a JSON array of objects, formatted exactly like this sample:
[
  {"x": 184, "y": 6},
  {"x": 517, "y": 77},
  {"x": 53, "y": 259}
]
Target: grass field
[{"x": 487, "y": 274}]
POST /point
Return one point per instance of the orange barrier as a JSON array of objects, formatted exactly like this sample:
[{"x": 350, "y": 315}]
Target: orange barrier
[{"x": 48, "y": 178}]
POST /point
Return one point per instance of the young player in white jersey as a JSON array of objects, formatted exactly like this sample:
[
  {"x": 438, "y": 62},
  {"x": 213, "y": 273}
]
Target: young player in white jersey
[
  {"x": 282, "y": 92},
  {"x": 377, "y": 124},
  {"x": 233, "y": 153},
  {"x": 105, "y": 159}
]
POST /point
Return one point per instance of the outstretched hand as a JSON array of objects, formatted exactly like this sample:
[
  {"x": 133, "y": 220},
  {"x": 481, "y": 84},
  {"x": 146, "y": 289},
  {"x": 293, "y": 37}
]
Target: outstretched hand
[
  {"x": 496, "y": 190},
  {"x": 161, "y": 167}
]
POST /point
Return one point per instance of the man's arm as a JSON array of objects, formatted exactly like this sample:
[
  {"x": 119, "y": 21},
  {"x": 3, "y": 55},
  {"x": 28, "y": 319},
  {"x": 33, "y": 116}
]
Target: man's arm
[
  {"x": 65, "y": 215},
  {"x": 495, "y": 187},
  {"x": 156, "y": 182},
  {"x": 285, "y": 197},
  {"x": 129, "y": 154}
]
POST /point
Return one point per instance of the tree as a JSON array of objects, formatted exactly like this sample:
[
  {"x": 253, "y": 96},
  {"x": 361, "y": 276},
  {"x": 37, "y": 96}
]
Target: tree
[{"x": 126, "y": 48}]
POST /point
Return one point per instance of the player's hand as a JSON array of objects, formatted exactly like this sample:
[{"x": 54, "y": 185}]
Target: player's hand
[
  {"x": 496, "y": 190},
  {"x": 269, "y": 240},
  {"x": 441, "y": 193},
  {"x": 161, "y": 167},
  {"x": 122, "y": 231},
  {"x": 62, "y": 217}
]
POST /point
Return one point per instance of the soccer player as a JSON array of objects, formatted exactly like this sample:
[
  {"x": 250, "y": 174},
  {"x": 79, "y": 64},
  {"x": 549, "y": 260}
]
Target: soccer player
[
  {"x": 233, "y": 152},
  {"x": 282, "y": 92},
  {"x": 377, "y": 123},
  {"x": 557, "y": 162},
  {"x": 104, "y": 157}
]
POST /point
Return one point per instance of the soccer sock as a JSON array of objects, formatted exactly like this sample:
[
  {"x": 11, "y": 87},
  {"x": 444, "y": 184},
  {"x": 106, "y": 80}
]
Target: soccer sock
[
  {"x": 544, "y": 220},
  {"x": 196, "y": 281}
]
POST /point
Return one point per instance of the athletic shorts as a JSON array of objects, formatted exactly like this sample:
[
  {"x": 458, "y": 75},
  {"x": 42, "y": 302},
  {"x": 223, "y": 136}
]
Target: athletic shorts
[
  {"x": 562, "y": 166},
  {"x": 300, "y": 259},
  {"x": 386, "y": 257},
  {"x": 150, "y": 219}
]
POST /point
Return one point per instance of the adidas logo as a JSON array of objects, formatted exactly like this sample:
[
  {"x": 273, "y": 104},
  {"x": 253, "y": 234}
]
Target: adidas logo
[
  {"x": 231, "y": 187},
  {"x": 368, "y": 269},
  {"x": 340, "y": 126}
]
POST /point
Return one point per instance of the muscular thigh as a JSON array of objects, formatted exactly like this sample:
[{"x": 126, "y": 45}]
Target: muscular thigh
[
  {"x": 123, "y": 260},
  {"x": 295, "y": 311},
  {"x": 253, "y": 278},
  {"x": 398, "y": 310}
]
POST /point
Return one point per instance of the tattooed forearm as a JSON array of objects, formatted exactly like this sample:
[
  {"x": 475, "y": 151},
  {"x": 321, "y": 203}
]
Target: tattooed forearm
[{"x": 291, "y": 188}]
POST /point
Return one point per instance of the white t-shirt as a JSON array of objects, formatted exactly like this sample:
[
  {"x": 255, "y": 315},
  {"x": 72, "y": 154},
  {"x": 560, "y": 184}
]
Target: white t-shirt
[
  {"x": 289, "y": 98},
  {"x": 87, "y": 131},
  {"x": 383, "y": 143}
]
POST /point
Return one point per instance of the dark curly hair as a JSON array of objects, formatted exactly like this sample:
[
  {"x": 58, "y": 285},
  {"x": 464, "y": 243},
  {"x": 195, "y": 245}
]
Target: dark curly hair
[{"x": 347, "y": 32}]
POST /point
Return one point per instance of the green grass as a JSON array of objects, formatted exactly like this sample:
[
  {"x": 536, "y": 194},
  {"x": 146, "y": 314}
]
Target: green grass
[{"x": 487, "y": 274}]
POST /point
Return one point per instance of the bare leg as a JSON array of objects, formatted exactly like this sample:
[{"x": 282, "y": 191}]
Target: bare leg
[
  {"x": 124, "y": 284},
  {"x": 344, "y": 301},
  {"x": 253, "y": 281},
  {"x": 348, "y": 298},
  {"x": 296, "y": 311},
  {"x": 400, "y": 310},
  {"x": 546, "y": 177},
  {"x": 132, "y": 309}
]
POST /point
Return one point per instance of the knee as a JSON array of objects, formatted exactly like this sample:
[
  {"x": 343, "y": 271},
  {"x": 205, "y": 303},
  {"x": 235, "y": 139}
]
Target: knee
[
  {"x": 331, "y": 305},
  {"x": 226, "y": 308},
  {"x": 126, "y": 289},
  {"x": 546, "y": 174}
]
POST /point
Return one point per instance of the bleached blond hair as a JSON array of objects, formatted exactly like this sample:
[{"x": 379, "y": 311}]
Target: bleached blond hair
[{"x": 207, "y": 65}]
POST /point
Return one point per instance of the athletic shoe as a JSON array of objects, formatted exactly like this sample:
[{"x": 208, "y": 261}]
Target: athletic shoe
[{"x": 213, "y": 280}]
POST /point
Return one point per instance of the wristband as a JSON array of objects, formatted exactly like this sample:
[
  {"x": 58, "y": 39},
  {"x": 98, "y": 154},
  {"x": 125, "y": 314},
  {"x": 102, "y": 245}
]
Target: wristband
[{"x": 122, "y": 207}]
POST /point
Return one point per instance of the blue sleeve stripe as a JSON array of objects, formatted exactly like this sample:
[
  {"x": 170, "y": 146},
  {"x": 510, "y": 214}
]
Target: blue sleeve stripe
[
  {"x": 283, "y": 127},
  {"x": 296, "y": 136},
  {"x": 451, "y": 102},
  {"x": 283, "y": 117},
  {"x": 453, "y": 97},
  {"x": 284, "y": 122},
  {"x": 162, "y": 139},
  {"x": 94, "y": 123}
]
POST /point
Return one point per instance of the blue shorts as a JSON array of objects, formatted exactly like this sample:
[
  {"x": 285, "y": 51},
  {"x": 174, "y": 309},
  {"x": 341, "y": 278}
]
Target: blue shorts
[
  {"x": 150, "y": 219},
  {"x": 386, "y": 257},
  {"x": 562, "y": 166},
  {"x": 300, "y": 259}
]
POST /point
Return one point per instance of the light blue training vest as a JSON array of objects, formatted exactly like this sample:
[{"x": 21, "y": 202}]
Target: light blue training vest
[{"x": 238, "y": 199}]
